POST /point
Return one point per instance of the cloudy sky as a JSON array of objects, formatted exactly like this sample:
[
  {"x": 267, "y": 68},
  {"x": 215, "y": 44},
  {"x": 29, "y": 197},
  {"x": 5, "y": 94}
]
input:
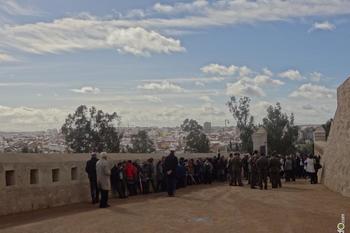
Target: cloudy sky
[{"x": 158, "y": 62}]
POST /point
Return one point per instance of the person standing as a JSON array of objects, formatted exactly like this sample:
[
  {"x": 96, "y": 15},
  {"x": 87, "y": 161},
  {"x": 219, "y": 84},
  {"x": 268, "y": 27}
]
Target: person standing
[
  {"x": 237, "y": 170},
  {"x": 171, "y": 163},
  {"x": 263, "y": 169},
  {"x": 207, "y": 171},
  {"x": 310, "y": 169},
  {"x": 229, "y": 169},
  {"x": 161, "y": 184},
  {"x": 288, "y": 168},
  {"x": 318, "y": 166},
  {"x": 121, "y": 181},
  {"x": 274, "y": 166},
  {"x": 131, "y": 175},
  {"x": 253, "y": 170},
  {"x": 114, "y": 180},
  {"x": 245, "y": 166},
  {"x": 91, "y": 171},
  {"x": 103, "y": 172}
]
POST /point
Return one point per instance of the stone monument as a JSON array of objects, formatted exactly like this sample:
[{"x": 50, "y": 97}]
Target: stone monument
[
  {"x": 260, "y": 140},
  {"x": 319, "y": 135}
]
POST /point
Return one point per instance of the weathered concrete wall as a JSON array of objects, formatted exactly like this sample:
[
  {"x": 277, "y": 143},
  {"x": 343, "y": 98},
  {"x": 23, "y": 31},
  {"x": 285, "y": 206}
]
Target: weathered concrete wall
[
  {"x": 23, "y": 196},
  {"x": 336, "y": 153}
]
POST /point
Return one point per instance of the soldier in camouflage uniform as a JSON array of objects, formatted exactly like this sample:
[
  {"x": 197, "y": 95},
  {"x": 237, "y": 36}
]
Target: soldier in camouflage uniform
[
  {"x": 253, "y": 170},
  {"x": 236, "y": 170},
  {"x": 263, "y": 169},
  {"x": 275, "y": 166}
]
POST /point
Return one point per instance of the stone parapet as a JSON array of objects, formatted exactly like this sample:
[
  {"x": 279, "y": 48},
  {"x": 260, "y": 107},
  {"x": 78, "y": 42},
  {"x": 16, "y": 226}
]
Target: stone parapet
[{"x": 36, "y": 181}]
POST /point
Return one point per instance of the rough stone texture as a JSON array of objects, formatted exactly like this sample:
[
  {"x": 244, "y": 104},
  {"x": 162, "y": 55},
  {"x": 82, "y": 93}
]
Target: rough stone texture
[
  {"x": 23, "y": 196},
  {"x": 336, "y": 156},
  {"x": 218, "y": 208}
]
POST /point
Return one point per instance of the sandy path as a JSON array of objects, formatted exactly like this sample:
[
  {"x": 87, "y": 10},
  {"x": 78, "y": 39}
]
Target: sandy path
[{"x": 299, "y": 207}]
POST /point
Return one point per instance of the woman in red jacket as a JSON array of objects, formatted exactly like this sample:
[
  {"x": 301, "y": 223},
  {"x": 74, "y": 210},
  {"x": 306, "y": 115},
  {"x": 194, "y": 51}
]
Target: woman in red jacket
[{"x": 131, "y": 173}]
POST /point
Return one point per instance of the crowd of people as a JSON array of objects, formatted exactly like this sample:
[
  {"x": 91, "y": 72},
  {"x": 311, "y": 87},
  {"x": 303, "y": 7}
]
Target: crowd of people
[{"x": 129, "y": 178}]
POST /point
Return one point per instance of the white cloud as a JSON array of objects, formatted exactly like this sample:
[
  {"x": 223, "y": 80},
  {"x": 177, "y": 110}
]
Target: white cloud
[
  {"x": 324, "y": 26},
  {"x": 195, "y": 6},
  {"x": 229, "y": 12},
  {"x": 244, "y": 71},
  {"x": 219, "y": 69},
  {"x": 153, "y": 99},
  {"x": 163, "y": 8},
  {"x": 71, "y": 34},
  {"x": 208, "y": 109},
  {"x": 27, "y": 119},
  {"x": 136, "y": 13},
  {"x": 291, "y": 74},
  {"x": 267, "y": 72},
  {"x": 206, "y": 98},
  {"x": 87, "y": 90},
  {"x": 140, "y": 42},
  {"x": 311, "y": 91},
  {"x": 251, "y": 83},
  {"x": 315, "y": 76},
  {"x": 6, "y": 58},
  {"x": 163, "y": 86},
  {"x": 258, "y": 109},
  {"x": 12, "y": 7},
  {"x": 188, "y": 80},
  {"x": 244, "y": 87},
  {"x": 266, "y": 80},
  {"x": 200, "y": 84},
  {"x": 307, "y": 107},
  {"x": 142, "y": 37},
  {"x": 226, "y": 70}
]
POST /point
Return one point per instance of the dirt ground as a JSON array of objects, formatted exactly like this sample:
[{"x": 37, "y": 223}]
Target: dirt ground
[{"x": 218, "y": 208}]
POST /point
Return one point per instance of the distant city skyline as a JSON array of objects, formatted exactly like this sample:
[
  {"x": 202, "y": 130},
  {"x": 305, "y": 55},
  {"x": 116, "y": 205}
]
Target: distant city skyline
[{"x": 157, "y": 63}]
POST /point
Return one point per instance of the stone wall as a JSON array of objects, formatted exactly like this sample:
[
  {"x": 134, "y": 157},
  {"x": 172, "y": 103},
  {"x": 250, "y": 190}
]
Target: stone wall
[
  {"x": 336, "y": 153},
  {"x": 36, "y": 181}
]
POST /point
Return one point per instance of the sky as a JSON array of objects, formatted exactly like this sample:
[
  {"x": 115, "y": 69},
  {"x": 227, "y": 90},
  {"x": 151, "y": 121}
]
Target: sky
[{"x": 157, "y": 63}]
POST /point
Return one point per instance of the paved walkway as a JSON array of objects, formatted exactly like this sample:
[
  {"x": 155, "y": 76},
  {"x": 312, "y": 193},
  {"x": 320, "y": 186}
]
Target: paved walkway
[{"x": 217, "y": 208}]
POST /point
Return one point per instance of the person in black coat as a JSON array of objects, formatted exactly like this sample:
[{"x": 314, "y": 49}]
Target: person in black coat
[
  {"x": 114, "y": 180},
  {"x": 91, "y": 171},
  {"x": 171, "y": 163}
]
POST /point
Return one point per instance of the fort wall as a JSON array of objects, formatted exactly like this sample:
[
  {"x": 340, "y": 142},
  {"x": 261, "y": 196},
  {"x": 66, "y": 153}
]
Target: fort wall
[
  {"x": 36, "y": 181},
  {"x": 336, "y": 152}
]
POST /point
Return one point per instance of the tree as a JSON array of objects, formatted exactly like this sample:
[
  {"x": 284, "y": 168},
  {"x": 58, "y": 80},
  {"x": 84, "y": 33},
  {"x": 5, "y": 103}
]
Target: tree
[
  {"x": 245, "y": 122},
  {"x": 141, "y": 143},
  {"x": 282, "y": 134},
  {"x": 327, "y": 127},
  {"x": 91, "y": 129},
  {"x": 196, "y": 140},
  {"x": 190, "y": 125}
]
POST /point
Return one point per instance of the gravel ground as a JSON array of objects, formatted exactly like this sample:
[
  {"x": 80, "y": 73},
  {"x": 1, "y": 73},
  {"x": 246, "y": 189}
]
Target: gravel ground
[{"x": 218, "y": 208}]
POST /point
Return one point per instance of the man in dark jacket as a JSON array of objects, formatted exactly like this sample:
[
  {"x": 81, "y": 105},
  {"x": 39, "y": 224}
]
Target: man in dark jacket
[
  {"x": 263, "y": 169},
  {"x": 245, "y": 166},
  {"x": 236, "y": 170},
  {"x": 91, "y": 171},
  {"x": 275, "y": 166},
  {"x": 171, "y": 163}
]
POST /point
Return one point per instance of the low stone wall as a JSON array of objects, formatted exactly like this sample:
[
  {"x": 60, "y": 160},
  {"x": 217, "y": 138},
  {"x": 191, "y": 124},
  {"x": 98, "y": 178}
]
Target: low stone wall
[
  {"x": 35, "y": 181},
  {"x": 336, "y": 153}
]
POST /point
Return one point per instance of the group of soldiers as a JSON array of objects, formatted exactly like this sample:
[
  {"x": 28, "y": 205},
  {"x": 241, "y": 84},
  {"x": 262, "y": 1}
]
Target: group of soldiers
[{"x": 256, "y": 169}]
